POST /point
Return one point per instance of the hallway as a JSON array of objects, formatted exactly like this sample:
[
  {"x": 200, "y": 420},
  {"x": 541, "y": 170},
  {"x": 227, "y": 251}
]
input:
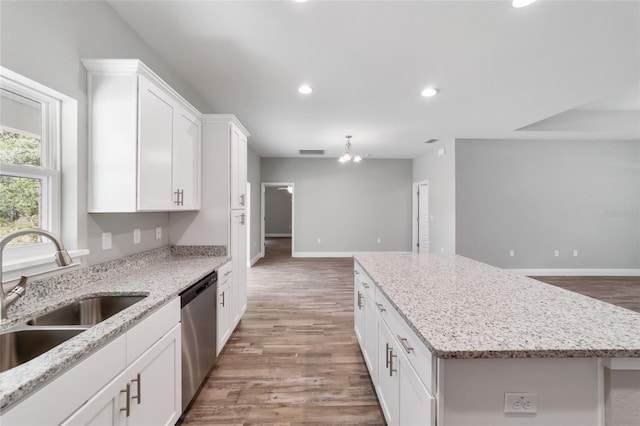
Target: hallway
[{"x": 294, "y": 357}]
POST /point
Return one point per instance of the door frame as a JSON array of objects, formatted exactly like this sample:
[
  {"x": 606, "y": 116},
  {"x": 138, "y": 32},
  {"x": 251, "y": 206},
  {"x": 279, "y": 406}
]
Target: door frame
[
  {"x": 264, "y": 185},
  {"x": 414, "y": 214}
]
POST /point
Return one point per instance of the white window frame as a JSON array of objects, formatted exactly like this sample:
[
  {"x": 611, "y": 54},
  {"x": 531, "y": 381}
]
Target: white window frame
[{"x": 36, "y": 258}]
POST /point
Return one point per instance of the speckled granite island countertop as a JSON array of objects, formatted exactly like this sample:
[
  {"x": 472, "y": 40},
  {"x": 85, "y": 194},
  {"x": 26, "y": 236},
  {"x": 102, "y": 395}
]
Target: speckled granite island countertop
[
  {"x": 461, "y": 308},
  {"x": 156, "y": 274}
]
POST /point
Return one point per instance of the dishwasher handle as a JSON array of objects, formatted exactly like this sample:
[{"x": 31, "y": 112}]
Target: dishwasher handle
[{"x": 192, "y": 292}]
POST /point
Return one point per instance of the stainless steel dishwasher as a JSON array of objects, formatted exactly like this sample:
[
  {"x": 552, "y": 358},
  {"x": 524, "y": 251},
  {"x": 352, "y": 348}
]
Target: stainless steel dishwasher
[{"x": 198, "y": 316}]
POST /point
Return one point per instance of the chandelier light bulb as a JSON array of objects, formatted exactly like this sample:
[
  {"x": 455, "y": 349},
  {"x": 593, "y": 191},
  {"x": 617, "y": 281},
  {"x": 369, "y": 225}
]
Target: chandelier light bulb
[{"x": 357, "y": 158}]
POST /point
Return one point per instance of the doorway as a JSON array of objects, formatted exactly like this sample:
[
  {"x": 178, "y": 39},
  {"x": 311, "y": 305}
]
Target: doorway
[
  {"x": 277, "y": 207},
  {"x": 421, "y": 218}
]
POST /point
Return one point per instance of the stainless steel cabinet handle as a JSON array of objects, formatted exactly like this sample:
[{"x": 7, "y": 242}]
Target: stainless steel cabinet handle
[
  {"x": 387, "y": 355},
  {"x": 222, "y": 303},
  {"x": 381, "y": 307},
  {"x": 391, "y": 357},
  {"x": 242, "y": 199},
  {"x": 356, "y": 272},
  {"x": 127, "y": 408},
  {"x": 359, "y": 300},
  {"x": 242, "y": 219},
  {"x": 179, "y": 197},
  {"x": 365, "y": 285},
  {"x": 139, "y": 386},
  {"x": 226, "y": 274},
  {"x": 405, "y": 345}
]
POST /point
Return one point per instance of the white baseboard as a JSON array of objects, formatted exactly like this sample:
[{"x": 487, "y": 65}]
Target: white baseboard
[
  {"x": 578, "y": 272},
  {"x": 322, "y": 254},
  {"x": 255, "y": 259},
  {"x": 277, "y": 235}
]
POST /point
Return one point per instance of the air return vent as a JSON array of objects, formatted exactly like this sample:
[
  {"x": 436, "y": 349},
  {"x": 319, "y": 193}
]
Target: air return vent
[{"x": 311, "y": 152}]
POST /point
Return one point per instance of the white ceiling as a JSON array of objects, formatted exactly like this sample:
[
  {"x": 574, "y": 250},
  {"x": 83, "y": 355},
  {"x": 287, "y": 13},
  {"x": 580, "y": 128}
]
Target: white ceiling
[{"x": 498, "y": 69}]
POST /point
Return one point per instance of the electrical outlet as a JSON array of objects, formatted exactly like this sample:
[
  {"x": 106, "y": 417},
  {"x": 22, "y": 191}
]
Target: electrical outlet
[
  {"x": 379, "y": 240},
  {"x": 512, "y": 253},
  {"x": 520, "y": 403},
  {"x": 556, "y": 253},
  {"x": 319, "y": 240},
  {"x": 136, "y": 236},
  {"x": 106, "y": 240},
  {"x": 575, "y": 253},
  {"x": 158, "y": 232}
]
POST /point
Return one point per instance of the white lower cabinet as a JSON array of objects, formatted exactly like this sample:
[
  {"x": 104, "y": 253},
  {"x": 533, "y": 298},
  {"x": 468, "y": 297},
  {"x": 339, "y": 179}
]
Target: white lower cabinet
[
  {"x": 403, "y": 388},
  {"x": 224, "y": 315},
  {"x": 144, "y": 394},
  {"x": 134, "y": 380}
]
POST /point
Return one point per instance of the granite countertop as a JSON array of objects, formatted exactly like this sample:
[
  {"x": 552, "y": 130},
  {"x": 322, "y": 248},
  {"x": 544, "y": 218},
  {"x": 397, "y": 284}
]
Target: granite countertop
[
  {"x": 461, "y": 308},
  {"x": 156, "y": 274}
]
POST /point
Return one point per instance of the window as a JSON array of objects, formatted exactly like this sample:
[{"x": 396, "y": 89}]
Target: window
[{"x": 29, "y": 176}]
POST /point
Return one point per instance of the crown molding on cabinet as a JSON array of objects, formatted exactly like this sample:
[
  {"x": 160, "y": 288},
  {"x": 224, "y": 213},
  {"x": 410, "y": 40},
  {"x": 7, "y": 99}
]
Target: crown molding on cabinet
[
  {"x": 225, "y": 118},
  {"x": 135, "y": 66}
]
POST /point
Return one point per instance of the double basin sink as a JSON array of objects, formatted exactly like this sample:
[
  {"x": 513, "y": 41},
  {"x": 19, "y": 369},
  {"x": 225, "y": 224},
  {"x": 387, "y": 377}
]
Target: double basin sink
[{"x": 42, "y": 333}]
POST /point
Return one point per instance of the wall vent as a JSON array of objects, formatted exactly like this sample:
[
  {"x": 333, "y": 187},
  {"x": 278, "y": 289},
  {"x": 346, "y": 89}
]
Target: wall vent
[{"x": 311, "y": 152}]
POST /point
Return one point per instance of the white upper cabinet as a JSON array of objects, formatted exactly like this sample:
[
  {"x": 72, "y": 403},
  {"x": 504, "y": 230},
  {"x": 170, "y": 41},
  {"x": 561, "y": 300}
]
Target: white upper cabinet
[
  {"x": 238, "y": 168},
  {"x": 144, "y": 141}
]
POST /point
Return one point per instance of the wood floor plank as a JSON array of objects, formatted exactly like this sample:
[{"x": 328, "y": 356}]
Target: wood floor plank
[{"x": 294, "y": 358}]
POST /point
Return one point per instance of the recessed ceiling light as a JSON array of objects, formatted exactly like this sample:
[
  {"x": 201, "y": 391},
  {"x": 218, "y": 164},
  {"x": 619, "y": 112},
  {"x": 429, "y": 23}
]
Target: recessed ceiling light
[
  {"x": 521, "y": 3},
  {"x": 305, "y": 89},
  {"x": 429, "y": 92}
]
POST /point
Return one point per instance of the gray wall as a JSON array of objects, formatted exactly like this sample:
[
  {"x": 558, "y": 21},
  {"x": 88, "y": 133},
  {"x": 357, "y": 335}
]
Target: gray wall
[
  {"x": 45, "y": 41},
  {"x": 253, "y": 177},
  {"x": 440, "y": 171},
  {"x": 277, "y": 211},
  {"x": 538, "y": 196},
  {"x": 347, "y": 206}
]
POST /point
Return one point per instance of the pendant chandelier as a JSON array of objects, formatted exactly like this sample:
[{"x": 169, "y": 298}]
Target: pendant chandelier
[{"x": 348, "y": 155}]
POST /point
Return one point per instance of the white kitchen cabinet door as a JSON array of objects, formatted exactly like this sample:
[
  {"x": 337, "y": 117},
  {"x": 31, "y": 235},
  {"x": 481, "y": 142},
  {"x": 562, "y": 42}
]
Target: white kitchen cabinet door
[
  {"x": 370, "y": 351},
  {"x": 223, "y": 315},
  {"x": 388, "y": 383},
  {"x": 156, "y": 383},
  {"x": 238, "y": 168},
  {"x": 155, "y": 140},
  {"x": 186, "y": 162},
  {"x": 359, "y": 310},
  {"x": 417, "y": 406},
  {"x": 107, "y": 407},
  {"x": 239, "y": 259}
]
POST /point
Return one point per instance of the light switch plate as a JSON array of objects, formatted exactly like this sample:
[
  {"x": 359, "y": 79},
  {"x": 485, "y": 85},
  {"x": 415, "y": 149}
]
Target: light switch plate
[
  {"x": 136, "y": 236},
  {"x": 158, "y": 232}
]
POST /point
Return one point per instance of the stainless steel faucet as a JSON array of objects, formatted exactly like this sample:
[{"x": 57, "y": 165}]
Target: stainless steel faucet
[{"x": 61, "y": 256}]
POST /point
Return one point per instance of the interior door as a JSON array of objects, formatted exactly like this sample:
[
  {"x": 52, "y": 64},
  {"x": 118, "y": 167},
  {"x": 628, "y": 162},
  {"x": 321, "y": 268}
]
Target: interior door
[{"x": 423, "y": 218}]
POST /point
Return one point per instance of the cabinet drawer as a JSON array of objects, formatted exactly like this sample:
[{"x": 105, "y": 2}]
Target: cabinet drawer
[
  {"x": 53, "y": 403},
  {"x": 224, "y": 273},
  {"x": 408, "y": 342},
  {"x": 142, "y": 336},
  {"x": 367, "y": 283}
]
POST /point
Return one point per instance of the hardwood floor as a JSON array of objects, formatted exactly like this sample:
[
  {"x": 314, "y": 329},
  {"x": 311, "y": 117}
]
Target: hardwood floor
[
  {"x": 621, "y": 291},
  {"x": 294, "y": 357}
]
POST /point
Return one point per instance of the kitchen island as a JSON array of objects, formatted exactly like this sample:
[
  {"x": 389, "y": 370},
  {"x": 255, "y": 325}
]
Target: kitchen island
[{"x": 481, "y": 342}]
